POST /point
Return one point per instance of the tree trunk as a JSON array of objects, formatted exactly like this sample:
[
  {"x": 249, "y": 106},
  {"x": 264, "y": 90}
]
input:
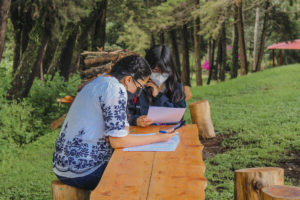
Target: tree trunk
[
  {"x": 161, "y": 37},
  {"x": 211, "y": 60},
  {"x": 175, "y": 51},
  {"x": 235, "y": 46},
  {"x": 152, "y": 42},
  {"x": 219, "y": 58},
  {"x": 85, "y": 26},
  {"x": 185, "y": 57},
  {"x": 197, "y": 48},
  {"x": 30, "y": 62},
  {"x": 249, "y": 182},
  {"x": 100, "y": 26},
  {"x": 280, "y": 192},
  {"x": 223, "y": 53},
  {"x": 255, "y": 47},
  {"x": 4, "y": 14},
  {"x": 21, "y": 18},
  {"x": 63, "y": 53},
  {"x": 263, "y": 36},
  {"x": 242, "y": 44}
]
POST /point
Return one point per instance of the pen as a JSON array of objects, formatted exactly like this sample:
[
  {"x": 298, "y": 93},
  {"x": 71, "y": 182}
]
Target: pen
[{"x": 161, "y": 131}]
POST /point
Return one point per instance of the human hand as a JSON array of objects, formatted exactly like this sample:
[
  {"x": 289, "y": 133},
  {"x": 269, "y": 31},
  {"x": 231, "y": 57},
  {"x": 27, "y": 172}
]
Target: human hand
[
  {"x": 154, "y": 87},
  {"x": 143, "y": 121},
  {"x": 167, "y": 136}
]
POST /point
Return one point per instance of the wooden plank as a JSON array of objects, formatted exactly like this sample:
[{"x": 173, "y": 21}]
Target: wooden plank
[
  {"x": 180, "y": 174},
  {"x": 156, "y": 175},
  {"x": 127, "y": 173}
]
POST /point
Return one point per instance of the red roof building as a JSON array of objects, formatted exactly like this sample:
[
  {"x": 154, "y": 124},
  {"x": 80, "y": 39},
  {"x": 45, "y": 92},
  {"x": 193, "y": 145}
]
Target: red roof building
[{"x": 290, "y": 45}]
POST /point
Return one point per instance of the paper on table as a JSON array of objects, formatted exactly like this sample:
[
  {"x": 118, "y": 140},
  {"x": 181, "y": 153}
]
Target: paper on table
[
  {"x": 160, "y": 146},
  {"x": 165, "y": 114}
]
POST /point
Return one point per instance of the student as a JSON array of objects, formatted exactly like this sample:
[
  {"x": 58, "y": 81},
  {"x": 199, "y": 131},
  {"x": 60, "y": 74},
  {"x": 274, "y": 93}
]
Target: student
[
  {"x": 163, "y": 89},
  {"x": 97, "y": 122}
]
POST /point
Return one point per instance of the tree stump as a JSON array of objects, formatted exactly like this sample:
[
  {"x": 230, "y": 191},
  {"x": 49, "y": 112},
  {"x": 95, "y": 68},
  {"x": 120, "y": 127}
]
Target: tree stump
[
  {"x": 61, "y": 191},
  {"x": 200, "y": 114},
  {"x": 280, "y": 192},
  {"x": 249, "y": 182}
]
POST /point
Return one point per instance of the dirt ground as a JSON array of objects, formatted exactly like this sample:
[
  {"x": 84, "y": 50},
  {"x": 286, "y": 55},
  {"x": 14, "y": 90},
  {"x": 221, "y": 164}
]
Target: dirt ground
[{"x": 291, "y": 166}]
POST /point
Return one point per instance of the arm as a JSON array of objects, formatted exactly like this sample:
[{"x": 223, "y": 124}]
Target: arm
[
  {"x": 162, "y": 100},
  {"x": 132, "y": 140}
]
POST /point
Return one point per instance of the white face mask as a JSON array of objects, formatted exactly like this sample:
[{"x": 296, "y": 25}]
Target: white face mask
[{"x": 159, "y": 78}]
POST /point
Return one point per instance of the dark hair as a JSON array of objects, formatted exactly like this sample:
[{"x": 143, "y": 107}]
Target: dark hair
[
  {"x": 160, "y": 55},
  {"x": 135, "y": 66}
]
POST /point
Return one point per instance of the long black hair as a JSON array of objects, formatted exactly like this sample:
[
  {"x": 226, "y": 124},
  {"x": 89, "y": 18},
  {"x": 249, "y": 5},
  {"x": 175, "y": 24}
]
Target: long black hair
[
  {"x": 160, "y": 55},
  {"x": 135, "y": 66}
]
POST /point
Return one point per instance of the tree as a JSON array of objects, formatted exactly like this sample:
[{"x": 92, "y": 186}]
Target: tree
[
  {"x": 234, "y": 68},
  {"x": 221, "y": 59},
  {"x": 241, "y": 35},
  {"x": 172, "y": 35},
  {"x": 22, "y": 20},
  {"x": 44, "y": 26},
  {"x": 32, "y": 57},
  {"x": 185, "y": 75},
  {"x": 263, "y": 36},
  {"x": 100, "y": 25},
  {"x": 255, "y": 48},
  {"x": 4, "y": 13},
  {"x": 197, "y": 47},
  {"x": 211, "y": 58}
]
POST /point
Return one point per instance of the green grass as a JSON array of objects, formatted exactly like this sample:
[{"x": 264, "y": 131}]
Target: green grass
[{"x": 262, "y": 108}]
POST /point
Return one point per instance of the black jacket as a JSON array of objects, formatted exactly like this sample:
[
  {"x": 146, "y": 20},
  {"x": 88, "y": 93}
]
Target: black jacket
[{"x": 139, "y": 106}]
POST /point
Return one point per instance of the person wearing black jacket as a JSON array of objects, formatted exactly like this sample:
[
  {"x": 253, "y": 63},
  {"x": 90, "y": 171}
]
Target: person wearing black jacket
[{"x": 163, "y": 89}]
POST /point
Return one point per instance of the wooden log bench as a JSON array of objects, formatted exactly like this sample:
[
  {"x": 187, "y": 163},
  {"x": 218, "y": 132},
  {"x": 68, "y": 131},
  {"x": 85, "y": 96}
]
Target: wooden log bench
[
  {"x": 266, "y": 183},
  {"x": 61, "y": 191}
]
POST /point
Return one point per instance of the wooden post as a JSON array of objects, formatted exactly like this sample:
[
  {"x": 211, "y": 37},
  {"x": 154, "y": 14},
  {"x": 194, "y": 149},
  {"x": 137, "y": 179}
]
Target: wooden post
[
  {"x": 200, "y": 114},
  {"x": 273, "y": 58},
  {"x": 280, "y": 57},
  {"x": 280, "y": 192},
  {"x": 249, "y": 182},
  {"x": 61, "y": 191},
  {"x": 188, "y": 93}
]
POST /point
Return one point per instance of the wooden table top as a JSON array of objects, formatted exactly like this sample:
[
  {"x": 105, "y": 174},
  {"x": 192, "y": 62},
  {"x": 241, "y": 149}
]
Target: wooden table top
[{"x": 156, "y": 175}]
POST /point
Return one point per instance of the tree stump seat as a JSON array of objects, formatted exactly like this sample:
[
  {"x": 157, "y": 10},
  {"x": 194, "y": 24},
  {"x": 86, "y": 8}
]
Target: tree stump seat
[
  {"x": 280, "y": 192},
  {"x": 248, "y": 182},
  {"x": 200, "y": 115},
  {"x": 62, "y": 191}
]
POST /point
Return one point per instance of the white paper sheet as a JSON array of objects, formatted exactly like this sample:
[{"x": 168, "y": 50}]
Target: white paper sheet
[
  {"x": 165, "y": 114},
  {"x": 160, "y": 146}
]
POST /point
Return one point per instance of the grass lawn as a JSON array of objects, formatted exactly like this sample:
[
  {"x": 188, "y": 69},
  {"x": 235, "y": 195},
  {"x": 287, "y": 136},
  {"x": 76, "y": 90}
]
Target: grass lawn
[{"x": 261, "y": 109}]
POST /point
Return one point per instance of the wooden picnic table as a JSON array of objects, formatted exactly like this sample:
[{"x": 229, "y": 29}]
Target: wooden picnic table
[{"x": 156, "y": 175}]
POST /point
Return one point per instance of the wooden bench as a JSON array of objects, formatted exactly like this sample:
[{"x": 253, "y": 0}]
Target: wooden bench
[
  {"x": 61, "y": 191},
  {"x": 156, "y": 175}
]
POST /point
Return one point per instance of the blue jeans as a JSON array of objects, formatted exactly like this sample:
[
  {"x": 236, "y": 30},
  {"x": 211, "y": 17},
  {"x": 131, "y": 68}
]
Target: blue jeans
[{"x": 88, "y": 182}]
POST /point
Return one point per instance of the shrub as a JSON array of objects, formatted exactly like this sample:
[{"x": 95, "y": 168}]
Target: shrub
[
  {"x": 18, "y": 124},
  {"x": 43, "y": 96}
]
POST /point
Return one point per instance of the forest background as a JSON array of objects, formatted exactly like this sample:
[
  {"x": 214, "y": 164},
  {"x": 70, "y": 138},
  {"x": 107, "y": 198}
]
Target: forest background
[{"x": 41, "y": 42}]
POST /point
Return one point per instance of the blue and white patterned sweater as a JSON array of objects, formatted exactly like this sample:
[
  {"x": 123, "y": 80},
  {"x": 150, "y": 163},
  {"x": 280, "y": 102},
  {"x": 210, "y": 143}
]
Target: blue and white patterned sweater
[{"x": 99, "y": 110}]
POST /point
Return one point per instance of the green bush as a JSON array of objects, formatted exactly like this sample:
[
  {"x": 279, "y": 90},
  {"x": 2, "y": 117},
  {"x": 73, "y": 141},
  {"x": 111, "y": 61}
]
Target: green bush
[
  {"x": 18, "y": 124},
  {"x": 43, "y": 96}
]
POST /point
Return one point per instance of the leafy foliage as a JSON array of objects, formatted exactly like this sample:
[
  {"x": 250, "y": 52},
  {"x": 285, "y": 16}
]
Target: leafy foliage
[{"x": 18, "y": 124}]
